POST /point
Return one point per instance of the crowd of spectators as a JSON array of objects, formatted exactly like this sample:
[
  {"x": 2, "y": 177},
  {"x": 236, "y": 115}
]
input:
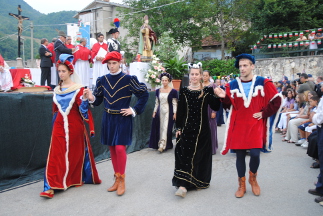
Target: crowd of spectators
[{"x": 297, "y": 123}]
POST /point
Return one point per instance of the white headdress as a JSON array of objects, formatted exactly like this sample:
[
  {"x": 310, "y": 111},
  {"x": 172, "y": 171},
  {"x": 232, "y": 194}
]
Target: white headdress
[{"x": 192, "y": 65}]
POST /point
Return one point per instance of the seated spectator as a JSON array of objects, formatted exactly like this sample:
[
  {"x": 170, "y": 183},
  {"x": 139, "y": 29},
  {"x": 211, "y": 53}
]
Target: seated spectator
[
  {"x": 292, "y": 128},
  {"x": 307, "y": 126},
  {"x": 306, "y": 85},
  {"x": 282, "y": 124}
]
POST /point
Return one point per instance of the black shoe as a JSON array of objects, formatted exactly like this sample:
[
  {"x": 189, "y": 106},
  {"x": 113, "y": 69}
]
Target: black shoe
[
  {"x": 319, "y": 199},
  {"x": 314, "y": 192}
]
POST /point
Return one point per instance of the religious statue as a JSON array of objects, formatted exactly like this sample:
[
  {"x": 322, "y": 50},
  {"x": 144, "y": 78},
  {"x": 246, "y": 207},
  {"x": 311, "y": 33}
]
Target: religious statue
[
  {"x": 147, "y": 42},
  {"x": 20, "y": 19}
]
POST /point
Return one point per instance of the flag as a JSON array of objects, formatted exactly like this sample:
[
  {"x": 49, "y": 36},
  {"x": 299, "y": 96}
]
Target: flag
[
  {"x": 265, "y": 36},
  {"x": 274, "y": 46},
  {"x": 275, "y": 35},
  {"x": 290, "y": 34},
  {"x": 296, "y": 44},
  {"x": 279, "y": 45},
  {"x": 285, "y": 34},
  {"x": 301, "y": 34},
  {"x": 270, "y": 36},
  {"x": 258, "y": 42},
  {"x": 307, "y": 30},
  {"x": 269, "y": 46},
  {"x": 290, "y": 44},
  {"x": 301, "y": 43},
  {"x": 319, "y": 41},
  {"x": 296, "y": 34},
  {"x": 319, "y": 29},
  {"x": 285, "y": 45},
  {"x": 307, "y": 42},
  {"x": 280, "y": 35},
  {"x": 255, "y": 46}
]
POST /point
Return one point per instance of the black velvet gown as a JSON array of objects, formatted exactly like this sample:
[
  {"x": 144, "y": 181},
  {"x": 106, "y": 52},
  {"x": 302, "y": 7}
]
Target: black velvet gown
[{"x": 193, "y": 152}]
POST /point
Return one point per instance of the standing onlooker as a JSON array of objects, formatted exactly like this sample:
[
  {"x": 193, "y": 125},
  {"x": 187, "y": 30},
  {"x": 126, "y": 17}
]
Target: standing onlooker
[
  {"x": 313, "y": 44},
  {"x": 81, "y": 62},
  {"x": 60, "y": 48},
  {"x": 53, "y": 73},
  {"x": 318, "y": 120},
  {"x": 5, "y": 76},
  {"x": 113, "y": 43},
  {"x": 68, "y": 42},
  {"x": 99, "y": 69},
  {"x": 45, "y": 62}
]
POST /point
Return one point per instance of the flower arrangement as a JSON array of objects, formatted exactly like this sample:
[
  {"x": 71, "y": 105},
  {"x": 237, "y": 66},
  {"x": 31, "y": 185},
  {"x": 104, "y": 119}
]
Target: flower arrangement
[
  {"x": 156, "y": 68},
  {"x": 27, "y": 82}
]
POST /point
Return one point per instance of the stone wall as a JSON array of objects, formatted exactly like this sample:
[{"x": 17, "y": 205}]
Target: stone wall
[{"x": 277, "y": 67}]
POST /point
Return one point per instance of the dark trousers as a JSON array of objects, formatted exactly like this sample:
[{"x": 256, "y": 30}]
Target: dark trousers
[
  {"x": 45, "y": 75},
  {"x": 241, "y": 161},
  {"x": 319, "y": 185}
]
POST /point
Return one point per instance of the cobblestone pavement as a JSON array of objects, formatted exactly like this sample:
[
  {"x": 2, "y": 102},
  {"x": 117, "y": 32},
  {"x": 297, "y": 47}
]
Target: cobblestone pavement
[{"x": 284, "y": 177}]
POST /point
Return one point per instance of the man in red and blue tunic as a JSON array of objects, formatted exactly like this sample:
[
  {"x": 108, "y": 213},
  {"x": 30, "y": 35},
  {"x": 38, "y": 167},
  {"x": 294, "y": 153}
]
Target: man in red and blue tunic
[
  {"x": 115, "y": 90},
  {"x": 252, "y": 100}
]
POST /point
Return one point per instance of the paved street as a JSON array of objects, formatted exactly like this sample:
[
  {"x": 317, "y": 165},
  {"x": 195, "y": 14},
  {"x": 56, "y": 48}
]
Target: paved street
[{"x": 284, "y": 177}]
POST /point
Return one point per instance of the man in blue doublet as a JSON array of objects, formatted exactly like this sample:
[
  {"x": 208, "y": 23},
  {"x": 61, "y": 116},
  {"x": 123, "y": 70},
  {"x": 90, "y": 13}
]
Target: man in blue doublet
[{"x": 115, "y": 90}]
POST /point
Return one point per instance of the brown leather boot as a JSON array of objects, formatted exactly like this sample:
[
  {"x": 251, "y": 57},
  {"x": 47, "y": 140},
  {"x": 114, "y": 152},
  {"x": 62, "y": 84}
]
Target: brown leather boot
[
  {"x": 121, "y": 187},
  {"x": 114, "y": 187},
  {"x": 254, "y": 184},
  {"x": 242, "y": 187}
]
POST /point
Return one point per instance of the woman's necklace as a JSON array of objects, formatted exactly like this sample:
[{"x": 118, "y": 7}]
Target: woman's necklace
[{"x": 195, "y": 86}]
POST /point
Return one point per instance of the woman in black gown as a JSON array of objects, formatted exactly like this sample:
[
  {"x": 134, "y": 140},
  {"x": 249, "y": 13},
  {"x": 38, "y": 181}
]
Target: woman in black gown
[{"x": 193, "y": 152}]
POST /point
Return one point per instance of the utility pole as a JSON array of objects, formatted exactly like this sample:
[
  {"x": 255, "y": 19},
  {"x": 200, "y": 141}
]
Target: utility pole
[{"x": 32, "y": 43}]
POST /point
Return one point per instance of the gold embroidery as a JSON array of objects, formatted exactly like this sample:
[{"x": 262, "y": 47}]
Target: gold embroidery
[
  {"x": 197, "y": 138},
  {"x": 114, "y": 92},
  {"x": 191, "y": 182},
  {"x": 139, "y": 87},
  {"x": 116, "y": 100},
  {"x": 191, "y": 176},
  {"x": 116, "y": 82}
]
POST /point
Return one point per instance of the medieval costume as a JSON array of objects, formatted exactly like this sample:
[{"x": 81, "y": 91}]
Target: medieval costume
[
  {"x": 193, "y": 151},
  {"x": 244, "y": 131},
  {"x": 5, "y": 76},
  {"x": 213, "y": 125},
  {"x": 162, "y": 125},
  {"x": 99, "y": 69},
  {"x": 70, "y": 159},
  {"x": 115, "y": 90},
  {"x": 113, "y": 43},
  {"x": 82, "y": 64}
]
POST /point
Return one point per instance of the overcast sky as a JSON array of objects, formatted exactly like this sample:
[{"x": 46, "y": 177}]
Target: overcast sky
[{"x": 43, "y": 6}]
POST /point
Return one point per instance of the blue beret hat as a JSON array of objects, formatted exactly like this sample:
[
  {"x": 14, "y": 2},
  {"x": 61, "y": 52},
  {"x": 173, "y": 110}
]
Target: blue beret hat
[{"x": 244, "y": 56}]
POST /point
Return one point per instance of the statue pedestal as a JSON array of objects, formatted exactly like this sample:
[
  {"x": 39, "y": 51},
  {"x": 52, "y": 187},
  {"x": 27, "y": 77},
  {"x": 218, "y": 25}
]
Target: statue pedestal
[
  {"x": 140, "y": 69},
  {"x": 19, "y": 63}
]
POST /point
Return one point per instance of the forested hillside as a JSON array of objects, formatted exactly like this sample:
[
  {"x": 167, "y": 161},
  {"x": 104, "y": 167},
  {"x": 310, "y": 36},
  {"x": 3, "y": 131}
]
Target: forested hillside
[{"x": 44, "y": 27}]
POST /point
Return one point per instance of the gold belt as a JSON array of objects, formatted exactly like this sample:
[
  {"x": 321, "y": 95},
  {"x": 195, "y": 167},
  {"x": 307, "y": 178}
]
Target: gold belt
[{"x": 110, "y": 111}]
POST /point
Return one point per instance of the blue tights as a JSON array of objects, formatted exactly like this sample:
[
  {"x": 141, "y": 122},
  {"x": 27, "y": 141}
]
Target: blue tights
[{"x": 241, "y": 162}]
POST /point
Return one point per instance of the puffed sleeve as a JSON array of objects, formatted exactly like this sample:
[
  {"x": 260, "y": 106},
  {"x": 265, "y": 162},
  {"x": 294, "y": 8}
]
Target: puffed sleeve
[
  {"x": 213, "y": 101},
  {"x": 175, "y": 100},
  {"x": 140, "y": 91},
  {"x": 98, "y": 92},
  {"x": 181, "y": 109}
]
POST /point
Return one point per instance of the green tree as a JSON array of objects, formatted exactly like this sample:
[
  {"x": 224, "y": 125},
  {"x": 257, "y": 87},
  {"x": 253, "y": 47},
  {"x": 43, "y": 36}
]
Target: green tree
[
  {"x": 182, "y": 20},
  {"x": 167, "y": 47}
]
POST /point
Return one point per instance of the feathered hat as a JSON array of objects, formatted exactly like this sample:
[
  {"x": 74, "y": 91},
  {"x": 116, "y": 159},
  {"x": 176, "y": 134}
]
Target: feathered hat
[
  {"x": 116, "y": 22},
  {"x": 67, "y": 60}
]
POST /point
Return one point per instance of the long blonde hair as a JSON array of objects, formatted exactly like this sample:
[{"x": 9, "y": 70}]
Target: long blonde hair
[{"x": 201, "y": 85}]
